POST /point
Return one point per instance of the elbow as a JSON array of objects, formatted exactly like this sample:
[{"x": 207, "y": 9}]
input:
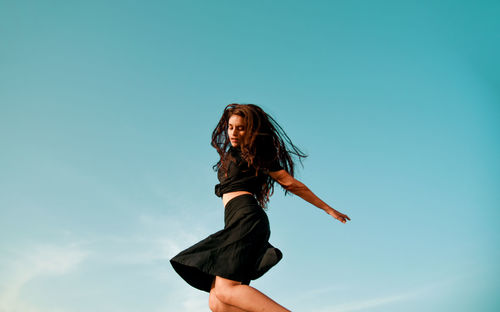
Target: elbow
[{"x": 295, "y": 187}]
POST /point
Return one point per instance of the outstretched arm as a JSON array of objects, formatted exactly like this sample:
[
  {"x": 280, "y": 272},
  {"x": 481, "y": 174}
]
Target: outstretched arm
[{"x": 300, "y": 189}]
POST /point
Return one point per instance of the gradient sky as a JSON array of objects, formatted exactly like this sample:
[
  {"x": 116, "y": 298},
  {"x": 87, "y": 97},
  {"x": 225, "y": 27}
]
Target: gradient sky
[{"x": 106, "y": 111}]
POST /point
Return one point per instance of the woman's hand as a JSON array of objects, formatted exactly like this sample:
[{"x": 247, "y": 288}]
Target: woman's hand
[{"x": 338, "y": 215}]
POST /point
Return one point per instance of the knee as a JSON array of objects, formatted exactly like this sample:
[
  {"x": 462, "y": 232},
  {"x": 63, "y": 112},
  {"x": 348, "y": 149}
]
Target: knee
[
  {"x": 213, "y": 302},
  {"x": 223, "y": 294}
]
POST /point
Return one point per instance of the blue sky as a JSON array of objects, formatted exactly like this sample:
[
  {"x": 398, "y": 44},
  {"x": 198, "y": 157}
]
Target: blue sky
[{"x": 106, "y": 111}]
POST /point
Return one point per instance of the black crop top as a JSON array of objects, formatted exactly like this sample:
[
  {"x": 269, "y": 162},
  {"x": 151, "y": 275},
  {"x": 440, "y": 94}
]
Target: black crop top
[{"x": 240, "y": 177}]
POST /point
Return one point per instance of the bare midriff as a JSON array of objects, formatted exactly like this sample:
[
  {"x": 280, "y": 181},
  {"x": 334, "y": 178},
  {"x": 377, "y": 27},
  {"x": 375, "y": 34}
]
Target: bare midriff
[{"x": 228, "y": 196}]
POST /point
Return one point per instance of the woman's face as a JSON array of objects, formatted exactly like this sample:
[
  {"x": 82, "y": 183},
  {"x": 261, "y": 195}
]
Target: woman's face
[{"x": 236, "y": 129}]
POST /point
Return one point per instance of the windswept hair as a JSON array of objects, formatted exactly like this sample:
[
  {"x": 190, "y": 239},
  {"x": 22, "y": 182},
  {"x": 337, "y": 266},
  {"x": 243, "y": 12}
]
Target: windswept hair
[{"x": 264, "y": 142}]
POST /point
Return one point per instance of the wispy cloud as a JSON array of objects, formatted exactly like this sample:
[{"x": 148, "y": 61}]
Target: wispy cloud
[
  {"x": 38, "y": 261},
  {"x": 158, "y": 238},
  {"x": 366, "y": 305}
]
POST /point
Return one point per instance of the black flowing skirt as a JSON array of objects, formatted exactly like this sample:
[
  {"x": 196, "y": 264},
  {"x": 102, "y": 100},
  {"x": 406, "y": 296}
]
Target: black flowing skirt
[{"x": 240, "y": 252}]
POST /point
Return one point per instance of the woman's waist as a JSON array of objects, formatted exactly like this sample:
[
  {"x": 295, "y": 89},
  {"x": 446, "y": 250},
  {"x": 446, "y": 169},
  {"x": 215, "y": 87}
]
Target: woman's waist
[{"x": 229, "y": 196}]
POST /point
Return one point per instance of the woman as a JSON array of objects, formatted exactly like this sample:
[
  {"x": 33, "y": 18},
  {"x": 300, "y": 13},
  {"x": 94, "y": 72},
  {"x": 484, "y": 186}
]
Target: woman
[{"x": 254, "y": 153}]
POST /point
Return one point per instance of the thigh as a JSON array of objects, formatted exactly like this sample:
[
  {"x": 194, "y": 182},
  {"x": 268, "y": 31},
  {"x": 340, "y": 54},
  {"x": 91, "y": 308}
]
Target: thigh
[{"x": 221, "y": 282}]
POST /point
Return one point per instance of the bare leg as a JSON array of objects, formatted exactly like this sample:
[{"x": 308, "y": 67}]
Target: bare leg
[
  {"x": 244, "y": 297},
  {"x": 218, "y": 306}
]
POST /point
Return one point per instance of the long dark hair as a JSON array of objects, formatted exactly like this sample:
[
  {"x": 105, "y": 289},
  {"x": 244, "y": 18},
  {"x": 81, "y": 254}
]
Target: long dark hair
[{"x": 264, "y": 142}]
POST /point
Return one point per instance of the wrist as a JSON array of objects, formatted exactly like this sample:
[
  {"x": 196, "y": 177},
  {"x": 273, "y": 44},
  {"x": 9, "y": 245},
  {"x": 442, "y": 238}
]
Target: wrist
[{"x": 328, "y": 209}]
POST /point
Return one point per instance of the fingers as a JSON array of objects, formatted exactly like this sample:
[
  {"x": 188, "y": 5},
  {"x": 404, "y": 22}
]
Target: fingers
[
  {"x": 339, "y": 216},
  {"x": 343, "y": 218}
]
